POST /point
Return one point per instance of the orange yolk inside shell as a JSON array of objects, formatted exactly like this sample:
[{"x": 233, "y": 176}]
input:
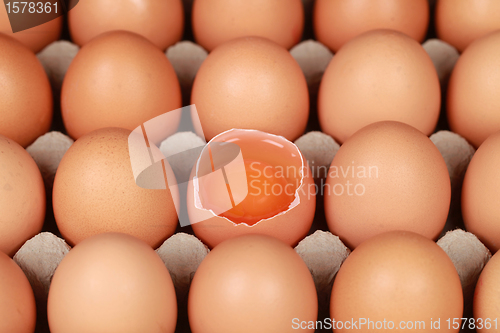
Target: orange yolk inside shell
[{"x": 269, "y": 193}]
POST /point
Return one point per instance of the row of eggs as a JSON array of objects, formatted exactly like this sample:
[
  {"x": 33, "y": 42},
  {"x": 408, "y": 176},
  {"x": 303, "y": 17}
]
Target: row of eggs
[
  {"x": 386, "y": 176},
  {"x": 282, "y": 21},
  {"x": 121, "y": 79},
  {"x": 114, "y": 282}
]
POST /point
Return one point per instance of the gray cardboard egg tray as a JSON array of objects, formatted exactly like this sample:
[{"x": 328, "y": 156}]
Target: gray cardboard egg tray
[{"x": 322, "y": 251}]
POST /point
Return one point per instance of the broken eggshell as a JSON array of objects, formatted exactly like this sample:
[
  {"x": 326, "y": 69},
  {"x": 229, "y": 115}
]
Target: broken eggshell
[{"x": 290, "y": 225}]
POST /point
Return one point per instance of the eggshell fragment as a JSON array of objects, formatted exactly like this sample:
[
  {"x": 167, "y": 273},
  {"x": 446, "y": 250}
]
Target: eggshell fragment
[
  {"x": 319, "y": 149},
  {"x": 469, "y": 256},
  {"x": 39, "y": 258},
  {"x": 323, "y": 254},
  {"x": 216, "y": 217},
  {"x": 182, "y": 254},
  {"x": 55, "y": 59},
  {"x": 443, "y": 56}
]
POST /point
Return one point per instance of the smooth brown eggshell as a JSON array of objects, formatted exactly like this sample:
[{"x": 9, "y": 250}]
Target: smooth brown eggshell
[
  {"x": 397, "y": 276},
  {"x": 290, "y": 225},
  {"x": 251, "y": 83},
  {"x": 17, "y": 302},
  {"x": 481, "y": 192},
  {"x": 486, "y": 304},
  {"x": 25, "y": 96},
  {"x": 255, "y": 283},
  {"x": 22, "y": 197},
  {"x": 161, "y": 22},
  {"x": 387, "y": 176},
  {"x": 380, "y": 75},
  {"x": 473, "y": 102},
  {"x": 218, "y": 21},
  {"x": 338, "y": 21},
  {"x": 459, "y": 23},
  {"x": 120, "y": 79},
  {"x": 112, "y": 283},
  {"x": 95, "y": 192},
  {"x": 35, "y": 38}
]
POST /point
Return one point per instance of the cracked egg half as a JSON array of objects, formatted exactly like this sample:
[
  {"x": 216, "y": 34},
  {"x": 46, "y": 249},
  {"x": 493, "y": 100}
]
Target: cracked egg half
[{"x": 251, "y": 182}]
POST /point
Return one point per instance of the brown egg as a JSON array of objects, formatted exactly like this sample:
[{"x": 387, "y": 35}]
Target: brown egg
[
  {"x": 459, "y": 23},
  {"x": 251, "y": 83},
  {"x": 95, "y": 192},
  {"x": 338, "y": 21},
  {"x": 270, "y": 192},
  {"x": 380, "y": 75},
  {"x": 218, "y": 21},
  {"x": 397, "y": 280},
  {"x": 118, "y": 80},
  {"x": 35, "y": 38},
  {"x": 388, "y": 176},
  {"x": 255, "y": 283},
  {"x": 25, "y": 96},
  {"x": 486, "y": 302},
  {"x": 22, "y": 197},
  {"x": 17, "y": 302},
  {"x": 112, "y": 283},
  {"x": 481, "y": 192},
  {"x": 473, "y": 103},
  {"x": 162, "y": 22}
]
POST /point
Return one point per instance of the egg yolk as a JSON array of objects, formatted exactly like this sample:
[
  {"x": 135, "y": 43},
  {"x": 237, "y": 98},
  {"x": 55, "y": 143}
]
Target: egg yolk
[{"x": 269, "y": 193}]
